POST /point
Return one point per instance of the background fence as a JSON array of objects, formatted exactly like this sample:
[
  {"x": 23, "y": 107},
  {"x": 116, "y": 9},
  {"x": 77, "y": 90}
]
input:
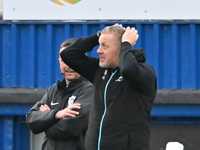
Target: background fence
[{"x": 29, "y": 51}]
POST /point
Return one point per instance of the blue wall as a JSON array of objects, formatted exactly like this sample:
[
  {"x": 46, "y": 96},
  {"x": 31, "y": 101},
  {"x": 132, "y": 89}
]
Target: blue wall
[
  {"x": 15, "y": 134},
  {"x": 29, "y": 51}
]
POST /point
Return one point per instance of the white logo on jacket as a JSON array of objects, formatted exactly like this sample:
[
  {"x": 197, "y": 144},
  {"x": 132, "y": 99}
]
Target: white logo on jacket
[
  {"x": 119, "y": 79},
  {"x": 71, "y": 100},
  {"x": 104, "y": 75},
  {"x": 52, "y": 103}
]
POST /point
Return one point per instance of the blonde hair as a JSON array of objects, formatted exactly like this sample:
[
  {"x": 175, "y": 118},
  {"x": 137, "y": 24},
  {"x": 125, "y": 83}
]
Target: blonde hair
[{"x": 118, "y": 31}]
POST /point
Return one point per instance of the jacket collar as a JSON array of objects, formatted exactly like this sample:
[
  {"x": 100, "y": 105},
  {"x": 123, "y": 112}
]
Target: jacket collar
[{"x": 72, "y": 86}]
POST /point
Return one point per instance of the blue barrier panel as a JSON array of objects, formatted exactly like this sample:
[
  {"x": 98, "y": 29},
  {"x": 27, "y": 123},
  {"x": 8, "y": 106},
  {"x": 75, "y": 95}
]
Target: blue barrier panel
[
  {"x": 29, "y": 51},
  {"x": 175, "y": 111},
  {"x": 15, "y": 134}
]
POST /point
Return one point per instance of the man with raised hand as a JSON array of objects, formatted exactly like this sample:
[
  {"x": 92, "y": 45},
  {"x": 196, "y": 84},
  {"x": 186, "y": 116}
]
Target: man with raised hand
[{"x": 124, "y": 88}]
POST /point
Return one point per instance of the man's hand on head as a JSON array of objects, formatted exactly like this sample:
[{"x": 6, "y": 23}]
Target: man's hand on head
[
  {"x": 119, "y": 25},
  {"x": 130, "y": 35}
]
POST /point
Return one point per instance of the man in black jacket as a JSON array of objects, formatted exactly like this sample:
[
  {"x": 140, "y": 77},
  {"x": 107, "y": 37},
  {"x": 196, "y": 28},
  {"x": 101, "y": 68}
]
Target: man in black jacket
[
  {"x": 63, "y": 111},
  {"x": 124, "y": 89}
]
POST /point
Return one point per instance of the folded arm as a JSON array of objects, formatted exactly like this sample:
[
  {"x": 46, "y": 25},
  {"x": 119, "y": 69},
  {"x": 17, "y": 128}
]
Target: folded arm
[
  {"x": 39, "y": 121},
  {"x": 68, "y": 127}
]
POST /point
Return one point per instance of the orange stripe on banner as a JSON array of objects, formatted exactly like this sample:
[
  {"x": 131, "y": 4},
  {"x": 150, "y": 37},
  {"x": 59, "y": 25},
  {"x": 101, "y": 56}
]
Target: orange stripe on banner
[{"x": 58, "y": 2}]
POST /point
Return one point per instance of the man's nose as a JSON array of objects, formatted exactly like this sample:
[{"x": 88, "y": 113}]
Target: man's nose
[
  {"x": 66, "y": 66},
  {"x": 99, "y": 51}
]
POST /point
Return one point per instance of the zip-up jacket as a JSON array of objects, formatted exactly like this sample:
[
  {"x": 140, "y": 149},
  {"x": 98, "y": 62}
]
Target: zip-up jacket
[
  {"x": 67, "y": 133},
  {"x": 122, "y": 99}
]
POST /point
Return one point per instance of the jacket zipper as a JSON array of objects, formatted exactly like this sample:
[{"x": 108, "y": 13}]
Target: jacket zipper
[{"x": 105, "y": 109}]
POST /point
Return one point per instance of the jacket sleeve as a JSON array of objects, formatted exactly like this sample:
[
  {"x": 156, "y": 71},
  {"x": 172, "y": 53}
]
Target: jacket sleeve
[
  {"x": 39, "y": 121},
  {"x": 141, "y": 75},
  {"x": 75, "y": 57},
  {"x": 69, "y": 127}
]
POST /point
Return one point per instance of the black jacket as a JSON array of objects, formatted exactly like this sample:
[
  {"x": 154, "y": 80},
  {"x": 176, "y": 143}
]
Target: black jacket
[
  {"x": 67, "y": 133},
  {"x": 122, "y": 98}
]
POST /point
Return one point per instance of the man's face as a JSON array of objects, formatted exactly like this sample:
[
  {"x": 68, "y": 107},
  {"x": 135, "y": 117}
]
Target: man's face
[
  {"x": 109, "y": 48},
  {"x": 66, "y": 71}
]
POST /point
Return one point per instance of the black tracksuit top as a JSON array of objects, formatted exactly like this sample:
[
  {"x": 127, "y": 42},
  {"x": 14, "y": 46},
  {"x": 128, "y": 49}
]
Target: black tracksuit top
[
  {"x": 67, "y": 133},
  {"x": 122, "y": 98}
]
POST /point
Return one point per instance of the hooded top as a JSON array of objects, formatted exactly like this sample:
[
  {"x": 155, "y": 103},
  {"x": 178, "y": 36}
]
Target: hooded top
[{"x": 122, "y": 97}]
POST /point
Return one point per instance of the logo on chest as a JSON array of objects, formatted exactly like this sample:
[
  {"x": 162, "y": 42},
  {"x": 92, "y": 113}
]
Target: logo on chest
[
  {"x": 71, "y": 100},
  {"x": 119, "y": 79},
  {"x": 104, "y": 75}
]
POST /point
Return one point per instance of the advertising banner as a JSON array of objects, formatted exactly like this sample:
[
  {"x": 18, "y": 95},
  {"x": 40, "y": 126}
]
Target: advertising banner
[{"x": 100, "y": 9}]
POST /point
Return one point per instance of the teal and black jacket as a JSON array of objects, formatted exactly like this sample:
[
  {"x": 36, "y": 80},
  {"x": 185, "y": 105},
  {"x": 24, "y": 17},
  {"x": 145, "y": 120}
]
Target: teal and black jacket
[{"x": 122, "y": 97}]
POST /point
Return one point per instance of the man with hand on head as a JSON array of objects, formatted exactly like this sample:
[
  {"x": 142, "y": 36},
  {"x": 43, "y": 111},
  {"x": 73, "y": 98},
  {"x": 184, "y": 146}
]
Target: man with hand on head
[
  {"x": 124, "y": 88},
  {"x": 63, "y": 111}
]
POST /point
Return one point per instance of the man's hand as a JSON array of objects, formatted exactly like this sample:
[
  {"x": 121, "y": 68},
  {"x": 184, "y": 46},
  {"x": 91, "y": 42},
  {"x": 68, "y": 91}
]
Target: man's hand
[
  {"x": 119, "y": 25},
  {"x": 68, "y": 111},
  {"x": 130, "y": 35},
  {"x": 44, "y": 107}
]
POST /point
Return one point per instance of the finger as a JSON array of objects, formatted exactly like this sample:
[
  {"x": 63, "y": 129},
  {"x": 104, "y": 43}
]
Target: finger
[
  {"x": 70, "y": 115},
  {"x": 137, "y": 37},
  {"x": 128, "y": 28},
  {"x": 117, "y": 24},
  {"x": 133, "y": 28},
  {"x": 75, "y": 106},
  {"x": 120, "y": 25},
  {"x": 41, "y": 108},
  {"x": 78, "y": 104},
  {"x": 73, "y": 112},
  {"x": 136, "y": 31},
  {"x": 46, "y": 107}
]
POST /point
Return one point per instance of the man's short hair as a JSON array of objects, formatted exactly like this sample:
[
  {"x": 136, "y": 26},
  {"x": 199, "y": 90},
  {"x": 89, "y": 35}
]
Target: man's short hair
[
  {"x": 118, "y": 31},
  {"x": 68, "y": 42}
]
